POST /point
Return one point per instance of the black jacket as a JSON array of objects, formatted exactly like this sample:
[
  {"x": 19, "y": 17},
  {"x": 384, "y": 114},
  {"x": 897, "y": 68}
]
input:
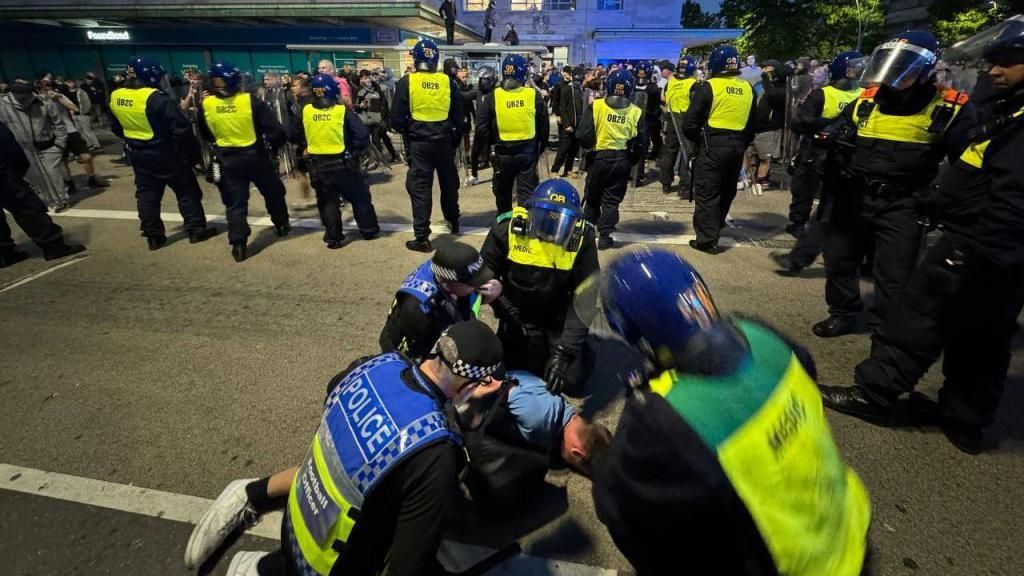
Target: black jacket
[
  {"x": 12, "y": 157},
  {"x": 571, "y": 106},
  {"x": 402, "y": 121},
  {"x": 771, "y": 106},
  {"x": 173, "y": 141}
]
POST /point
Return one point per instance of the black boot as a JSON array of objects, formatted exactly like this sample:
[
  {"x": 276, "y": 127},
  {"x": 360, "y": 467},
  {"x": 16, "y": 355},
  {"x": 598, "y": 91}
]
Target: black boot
[
  {"x": 10, "y": 257},
  {"x": 58, "y": 249},
  {"x": 968, "y": 438},
  {"x": 239, "y": 251},
  {"x": 156, "y": 242},
  {"x": 202, "y": 235},
  {"x": 795, "y": 229},
  {"x": 786, "y": 265},
  {"x": 95, "y": 183},
  {"x": 283, "y": 230},
  {"x": 69, "y": 186},
  {"x": 418, "y": 245},
  {"x": 853, "y": 400},
  {"x": 605, "y": 242},
  {"x": 335, "y": 244},
  {"x": 835, "y": 326},
  {"x": 707, "y": 248},
  {"x": 453, "y": 227}
]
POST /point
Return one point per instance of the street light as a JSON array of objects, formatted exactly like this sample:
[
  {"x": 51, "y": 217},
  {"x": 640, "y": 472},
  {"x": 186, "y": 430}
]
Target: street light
[{"x": 860, "y": 26}]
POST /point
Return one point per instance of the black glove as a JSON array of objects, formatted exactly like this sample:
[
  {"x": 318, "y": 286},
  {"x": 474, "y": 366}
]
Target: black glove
[{"x": 556, "y": 372}]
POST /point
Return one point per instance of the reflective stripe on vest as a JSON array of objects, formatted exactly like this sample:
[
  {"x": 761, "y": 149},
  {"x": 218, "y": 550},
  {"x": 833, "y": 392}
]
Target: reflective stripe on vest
[
  {"x": 912, "y": 129},
  {"x": 677, "y": 94},
  {"x": 372, "y": 422},
  {"x": 430, "y": 96},
  {"x": 732, "y": 99},
  {"x": 325, "y": 129},
  {"x": 516, "y": 114},
  {"x": 522, "y": 249},
  {"x": 974, "y": 155},
  {"x": 836, "y": 101},
  {"x": 129, "y": 107},
  {"x": 811, "y": 510},
  {"x": 230, "y": 120},
  {"x": 615, "y": 126}
]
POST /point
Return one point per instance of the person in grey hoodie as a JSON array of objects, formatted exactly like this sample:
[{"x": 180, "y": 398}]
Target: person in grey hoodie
[{"x": 42, "y": 134}]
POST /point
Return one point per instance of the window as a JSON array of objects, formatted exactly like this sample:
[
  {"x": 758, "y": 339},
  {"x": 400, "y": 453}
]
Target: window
[
  {"x": 476, "y": 5},
  {"x": 609, "y": 4},
  {"x": 543, "y": 5}
]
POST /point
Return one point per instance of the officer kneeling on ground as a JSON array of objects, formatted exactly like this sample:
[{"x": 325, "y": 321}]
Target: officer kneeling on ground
[
  {"x": 361, "y": 501},
  {"x": 613, "y": 131},
  {"x": 723, "y": 462},
  {"x": 541, "y": 253},
  {"x": 333, "y": 138}
]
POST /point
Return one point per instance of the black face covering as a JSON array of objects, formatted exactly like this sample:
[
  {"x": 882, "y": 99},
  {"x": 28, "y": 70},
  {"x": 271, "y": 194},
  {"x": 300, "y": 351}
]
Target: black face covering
[{"x": 22, "y": 94}]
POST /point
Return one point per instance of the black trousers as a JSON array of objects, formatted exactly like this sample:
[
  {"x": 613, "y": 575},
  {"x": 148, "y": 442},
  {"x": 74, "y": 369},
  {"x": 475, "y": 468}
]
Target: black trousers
[
  {"x": 528, "y": 348},
  {"x": 29, "y": 212},
  {"x": 654, "y": 135},
  {"x": 332, "y": 181},
  {"x": 862, "y": 218},
  {"x": 149, "y": 193},
  {"x": 605, "y": 189},
  {"x": 426, "y": 156},
  {"x": 568, "y": 149},
  {"x": 379, "y": 133},
  {"x": 449, "y": 31},
  {"x": 716, "y": 171},
  {"x": 487, "y": 35},
  {"x": 481, "y": 149},
  {"x": 670, "y": 150},
  {"x": 514, "y": 169},
  {"x": 241, "y": 169},
  {"x": 804, "y": 187},
  {"x": 966, "y": 312}
]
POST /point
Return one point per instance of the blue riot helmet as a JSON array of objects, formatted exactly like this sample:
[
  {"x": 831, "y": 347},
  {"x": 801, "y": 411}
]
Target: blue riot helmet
[
  {"x": 686, "y": 66},
  {"x": 655, "y": 300},
  {"x": 620, "y": 83},
  {"x": 724, "y": 60},
  {"x": 515, "y": 68},
  {"x": 642, "y": 72},
  {"x": 487, "y": 79},
  {"x": 839, "y": 67},
  {"x": 325, "y": 88},
  {"x": 425, "y": 55},
  {"x": 225, "y": 78},
  {"x": 903, "y": 61},
  {"x": 146, "y": 71},
  {"x": 553, "y": 212}
]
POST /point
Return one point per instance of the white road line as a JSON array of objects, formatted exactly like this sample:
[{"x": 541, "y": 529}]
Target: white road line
[
  {"x": 314, "y": 224},
  {"x": 189, "y": 509},
  {"x": 35, "y": 275}
]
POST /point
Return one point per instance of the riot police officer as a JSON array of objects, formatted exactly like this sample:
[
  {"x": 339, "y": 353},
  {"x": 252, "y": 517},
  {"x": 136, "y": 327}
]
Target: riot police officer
[
  {"x": 428, "y": 112},
  {"x": 821, "y": 107},
  {"x": 241, "y": 128},
  {"x": 162, "y": 150},
  {"x": 964, "y": 299},
  {"x": 515, "y": 119},
  {"x": 613, "y": 130},
  {"x": 542, "y": 252},
  {"x": 676, "y": 98},
  {"x": 333, "y": 137},
  {"x": 904, "y": 127},
  {"x": 647, "y": 96},
  {"x": 723, "y": 462},
  {"x": 481, "y": 151},
  {"x": 721, "y": 121}
]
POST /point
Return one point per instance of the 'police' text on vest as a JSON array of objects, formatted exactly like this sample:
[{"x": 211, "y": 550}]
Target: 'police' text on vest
[{"x": 371, "y": 424}]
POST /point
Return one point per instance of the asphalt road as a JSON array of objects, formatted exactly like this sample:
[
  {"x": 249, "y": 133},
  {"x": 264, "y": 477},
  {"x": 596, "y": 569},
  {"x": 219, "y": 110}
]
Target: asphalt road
[{"x": 179, "y": 371}]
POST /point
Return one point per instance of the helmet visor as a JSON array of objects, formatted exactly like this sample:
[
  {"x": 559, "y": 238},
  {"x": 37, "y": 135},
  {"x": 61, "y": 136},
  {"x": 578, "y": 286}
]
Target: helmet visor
[
  {"x": 855, "y": 68},
  {"x": 970, "y": 51},
  {"x": 550, "y": 222},
  {"x": 897, "y": 65}
]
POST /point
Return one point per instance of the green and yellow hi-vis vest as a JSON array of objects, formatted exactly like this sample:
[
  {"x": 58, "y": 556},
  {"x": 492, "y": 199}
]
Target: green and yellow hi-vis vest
[
  {"x": 516, "y": 114},
  {"x": 767, "y": 426},
  {"x": 615, "y": 127},
  {"x": 230, "y": 120},
  {"x": 522, "y": 249},
  {"x": 677, "y": 94},
  {"x": 912, "y": 129},
  {"x": 732, "y": 99},
  {"x": 836, "y": 101},
  {"x": 430, "y": 96},
  {"x": 974, "y": 155},
  {"x": 128, "y": 105},
  {"x": 324, "y": 128}
]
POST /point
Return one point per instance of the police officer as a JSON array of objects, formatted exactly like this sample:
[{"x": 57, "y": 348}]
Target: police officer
[
  {"x": 542, "y": 252},
  {"x": 161, "y": 148},
  {"x": 481, "y": 152},
  {"x": 964, "y": 299},
  {"x": 904, "y": 127},
  {"x": 428, "y": 112},
  {"x": 721, "y": 121},
  {"x": 648, "y": 97},
  {"x": 613, "y": 129},
  {"x": 723, "y": 462},
  {"x": 333, "y": 137},
  {"x": 515, "y": 119},
  {"x": 448, "y": 288},
  {"x": 241, "y": 128},
  {"x": 821, "y": 108},
  {"x": 676, "y": 98},
  {"x": 381, "y": 470}
]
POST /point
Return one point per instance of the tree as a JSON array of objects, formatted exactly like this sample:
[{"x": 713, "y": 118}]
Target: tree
[
  {"x": 693, "y": 16},
  {"x": 954, "y": 20}
]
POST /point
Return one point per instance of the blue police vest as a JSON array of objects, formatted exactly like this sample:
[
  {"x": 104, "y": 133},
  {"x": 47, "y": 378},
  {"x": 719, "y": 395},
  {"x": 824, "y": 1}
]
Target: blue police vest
[
  {"x": 371, "y": 423},
  {"x": 422, "y": 286}
]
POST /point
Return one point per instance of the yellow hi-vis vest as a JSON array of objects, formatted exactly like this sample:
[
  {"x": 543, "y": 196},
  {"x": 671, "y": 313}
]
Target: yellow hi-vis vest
[
  {"x": 732, "y": 99},
  {"x": 615, "y": 126},
  {"x": 836, "y": 101},
  {"x": 974, "y": 155},
  {"x": 774, "y": 444},
  {"x": 230, "y": 120},
  {"x": 325, "y": 129},
  {"x": 430, "y": 96},
  {"x": 516, "y": 114},
  {"x": 522, "y": 249},
  {"x": 129, "y": 107},
  {"x": 677, "y": 94},
  {"x": 913, "y": 129}
]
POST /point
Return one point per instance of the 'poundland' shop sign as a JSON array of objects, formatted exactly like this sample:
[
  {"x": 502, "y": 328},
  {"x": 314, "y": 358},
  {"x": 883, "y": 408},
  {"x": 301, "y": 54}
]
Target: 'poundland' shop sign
[{"x": 108, "y": 35}]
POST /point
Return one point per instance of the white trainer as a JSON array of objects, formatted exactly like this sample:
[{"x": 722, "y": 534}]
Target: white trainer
[
  {"x": 472, "y": 181},
  {"x": 228, "y": 512},
  {"x": 244, "y": 564}
]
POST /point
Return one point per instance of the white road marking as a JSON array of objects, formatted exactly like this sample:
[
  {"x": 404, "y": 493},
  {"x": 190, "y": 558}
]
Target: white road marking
[
  {"x": 314, "y": 224},
  {"x": 189, "y": 509},
  {"x": 35, "y": 275}
]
